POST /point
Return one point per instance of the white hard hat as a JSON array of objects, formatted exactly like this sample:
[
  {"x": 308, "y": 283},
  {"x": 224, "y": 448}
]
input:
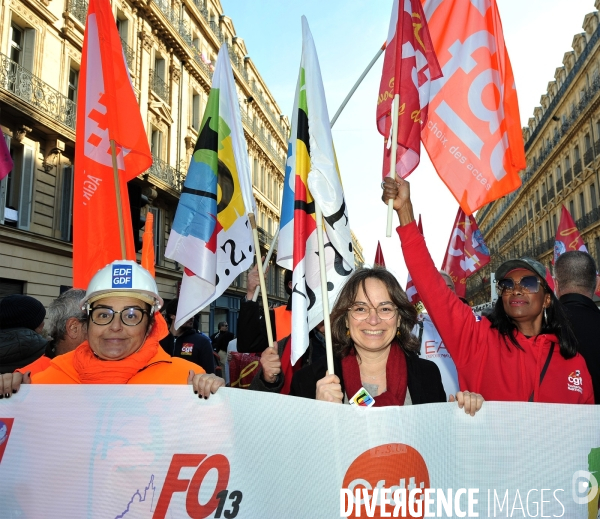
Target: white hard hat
[{"x": 123, "y": 278}]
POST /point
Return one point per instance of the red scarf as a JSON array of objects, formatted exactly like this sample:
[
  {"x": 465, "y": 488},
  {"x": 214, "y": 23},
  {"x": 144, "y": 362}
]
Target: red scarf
[
  {"x": 396, "y": 376},
  {"x": 93, "y": 370}
]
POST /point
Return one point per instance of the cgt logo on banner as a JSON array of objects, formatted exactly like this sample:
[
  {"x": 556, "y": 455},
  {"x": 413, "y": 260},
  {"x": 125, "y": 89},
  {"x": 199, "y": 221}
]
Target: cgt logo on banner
[{"x": 222, "y": 500}]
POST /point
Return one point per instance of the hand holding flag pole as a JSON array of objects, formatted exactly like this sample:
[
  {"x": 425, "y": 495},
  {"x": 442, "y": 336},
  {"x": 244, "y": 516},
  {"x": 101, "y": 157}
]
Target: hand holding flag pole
[
  {"x": 266, "y": 262},
  {"x": 261, "y": 278}
]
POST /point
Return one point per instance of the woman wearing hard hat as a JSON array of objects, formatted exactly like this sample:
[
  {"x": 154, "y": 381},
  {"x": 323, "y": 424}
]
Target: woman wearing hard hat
[{"x": 124, "y": 327}]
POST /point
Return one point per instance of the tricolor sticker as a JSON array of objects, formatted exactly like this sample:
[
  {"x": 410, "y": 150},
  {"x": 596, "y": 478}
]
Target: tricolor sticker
[
  {"x": 122, "y": 276},
  {"x": 5, "y": 428}
]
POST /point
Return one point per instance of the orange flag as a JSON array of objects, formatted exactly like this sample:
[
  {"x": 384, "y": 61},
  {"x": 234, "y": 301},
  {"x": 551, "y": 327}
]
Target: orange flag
[
  {"x": 148, "y": 244},
  {"x": 473, "y": 134},
  {"x": 107, "y": 109}
]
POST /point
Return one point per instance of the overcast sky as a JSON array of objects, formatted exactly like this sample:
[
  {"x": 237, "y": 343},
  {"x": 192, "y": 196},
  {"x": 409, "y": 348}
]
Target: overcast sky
[{"x": 347, "y": 35}]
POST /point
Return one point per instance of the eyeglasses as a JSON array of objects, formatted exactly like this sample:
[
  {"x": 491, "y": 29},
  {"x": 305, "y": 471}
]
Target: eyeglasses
[
  {"x": 528, "y": 284},
  {"x": 130, "y": 316},
  {"x": 361, "y": 312}
]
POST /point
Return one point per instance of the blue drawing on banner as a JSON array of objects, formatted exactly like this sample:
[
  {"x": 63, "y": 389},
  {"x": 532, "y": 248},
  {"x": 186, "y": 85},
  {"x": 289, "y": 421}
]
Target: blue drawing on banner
[{"x": 141, "y": 498}]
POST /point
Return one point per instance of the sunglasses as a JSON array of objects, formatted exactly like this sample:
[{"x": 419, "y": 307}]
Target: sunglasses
[{"x": 528, "y": 284}]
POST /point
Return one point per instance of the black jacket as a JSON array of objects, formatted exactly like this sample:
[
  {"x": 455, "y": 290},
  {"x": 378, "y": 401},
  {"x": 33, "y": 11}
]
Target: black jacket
[
  {"x": 192, "y": 346},
  {"x": 424, "y": 379},
  {"x": 19, "y": 347},
  {"x": 220, "y": 340},
  {"x": 585, "y": 319},
  {"x": 251, "y": 327}
]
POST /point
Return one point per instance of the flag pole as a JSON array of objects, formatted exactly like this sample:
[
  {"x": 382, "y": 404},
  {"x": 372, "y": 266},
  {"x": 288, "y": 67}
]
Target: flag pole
[
  {"x": 261, "y": 278},
  {"x": 390, "y": 212},
  {"x": 113, "y": 152},
  {"x": 324, "y": 295},
  {"x": 357, "y": 84},
  {"x": 264, "y": 265}
]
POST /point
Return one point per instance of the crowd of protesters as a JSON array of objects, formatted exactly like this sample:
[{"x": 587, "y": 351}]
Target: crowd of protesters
[{"x": 537, "y": 345}]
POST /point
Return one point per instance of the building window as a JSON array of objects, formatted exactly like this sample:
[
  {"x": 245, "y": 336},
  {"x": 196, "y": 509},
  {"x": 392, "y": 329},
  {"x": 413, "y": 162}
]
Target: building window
[
  {"x": 66, "y": 205},
  {"x": 123, "y": 28},
  {"x": 73, "y": 82},
  {"x": 158, "y": 234},
  {"x": 156, "y": 143},
  {"x": 554, "y": 227},
  {"x": 16, "y": 190},
  {"x": 567, "y": 163},
  {"x": 548, "y": 230},
  {"x": 588, "y": 142},
  {"x": 572, "y": 208},
  {"x": 558, "y": 174},
  {"x": 593, "y": 196},
  {"x": 22, "y": 42},
  {"x": 196, "y": 111},
  {"x": 255, "y": 173},
  {"x": 582, "y": 204},
  {"x": 577, "y": 157}
]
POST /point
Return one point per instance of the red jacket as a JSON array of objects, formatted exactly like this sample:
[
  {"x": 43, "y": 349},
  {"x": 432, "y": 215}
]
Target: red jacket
[{"x": 483, "y": 361}]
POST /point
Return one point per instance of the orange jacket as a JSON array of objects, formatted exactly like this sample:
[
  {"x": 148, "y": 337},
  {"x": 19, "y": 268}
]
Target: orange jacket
[
  {"x": 162, "y": 369},
  {"x": 37, "y": 366}
]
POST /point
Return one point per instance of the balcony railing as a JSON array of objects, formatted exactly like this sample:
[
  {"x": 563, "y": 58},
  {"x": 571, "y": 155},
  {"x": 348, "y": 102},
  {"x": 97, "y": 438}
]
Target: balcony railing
[
  {"x": 559, "y": 185},
  {"x": 79, "y": 9},
  {"x": 568, "y": 176},
  {"x": 174, "y": 17},
  {"x": 550, "y": 194},
  {"x": 32, "y": 90},
  {"x": 168, "y": 174},
  {"x": 563, "y": 89},
  {"x": 158, "y": 85},
  {"x": 588, "y": 156},
  {"x": 585, "y": 221},
  {"x": 129, "y": 53},
  {"x": 577, "y": 168},
  {"x": 259, "y": 132}
]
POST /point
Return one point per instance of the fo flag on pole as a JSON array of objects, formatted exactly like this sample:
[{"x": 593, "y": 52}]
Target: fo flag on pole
[
  {"x": 473, "y": 135},
  {"x": 211, "y": 235},
  {"x": 107, "y": 109},
  {"x": 411, "y": 290},
  {"x": 466, "y": 252},
  {"x": 312, "y": 176},
  {"x": 567, "y": 236},
  {"x": 379, "y": 261},
  {"x": 409, "y": 66}
]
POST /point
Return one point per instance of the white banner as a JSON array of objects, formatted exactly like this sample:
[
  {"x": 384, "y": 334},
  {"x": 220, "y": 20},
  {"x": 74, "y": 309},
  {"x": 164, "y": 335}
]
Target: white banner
[{"x": 160, "y": 452}]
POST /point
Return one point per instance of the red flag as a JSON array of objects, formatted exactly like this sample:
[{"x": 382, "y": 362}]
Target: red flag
[
  {"x": 567, "y": 236},
  {"x": 148, "y": 245},
  {"x": 107, "y": 109},
  {"x": 6, "y": 161},
  {"x": 408, "y": 68},
  {"x": 411, "y": 290},
  {"x": 466, "y": 252},
  {"x": 473, "y": 135},
  {"x": 379, "y": 256}
]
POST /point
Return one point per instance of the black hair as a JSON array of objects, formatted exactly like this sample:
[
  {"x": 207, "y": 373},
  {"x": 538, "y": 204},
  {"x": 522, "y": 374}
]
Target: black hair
[
  {"x": 576, "y": 270},
  {"x": 556, "y": 322}
]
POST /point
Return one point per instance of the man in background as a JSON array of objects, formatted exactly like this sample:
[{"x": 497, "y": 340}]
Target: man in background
[{"x": 575, "y": 282}]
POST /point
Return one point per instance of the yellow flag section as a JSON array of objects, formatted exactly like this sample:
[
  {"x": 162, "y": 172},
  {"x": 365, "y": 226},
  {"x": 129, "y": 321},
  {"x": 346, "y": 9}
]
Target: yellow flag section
[{"x": 211, "y": 234}]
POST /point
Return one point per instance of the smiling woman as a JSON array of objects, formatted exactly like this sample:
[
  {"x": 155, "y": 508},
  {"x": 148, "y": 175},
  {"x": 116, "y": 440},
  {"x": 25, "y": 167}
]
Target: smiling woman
[
  {"x": 524, "y": 351},
  {"x": 375, "y": 355},
  {"x": 124, "y": 328}
]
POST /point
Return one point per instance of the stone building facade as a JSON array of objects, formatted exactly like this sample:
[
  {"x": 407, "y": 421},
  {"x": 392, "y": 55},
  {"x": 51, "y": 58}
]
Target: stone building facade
[
  {"x": 170, "y": 48},
  {"x": 562, "y": 145}
]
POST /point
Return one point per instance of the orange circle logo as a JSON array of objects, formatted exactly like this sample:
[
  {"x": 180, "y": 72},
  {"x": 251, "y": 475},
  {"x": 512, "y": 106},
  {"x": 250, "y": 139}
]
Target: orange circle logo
[{"x": 392, "y": 466}]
